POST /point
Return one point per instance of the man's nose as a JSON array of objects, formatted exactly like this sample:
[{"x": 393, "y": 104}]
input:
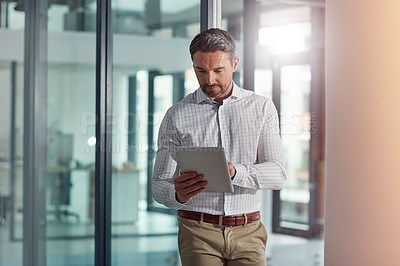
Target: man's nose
[{"x": 210, "y": 79}]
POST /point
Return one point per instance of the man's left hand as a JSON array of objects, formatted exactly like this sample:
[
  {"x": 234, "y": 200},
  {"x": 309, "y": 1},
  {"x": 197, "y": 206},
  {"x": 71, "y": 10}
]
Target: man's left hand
[{"x": 232, "y": 170}]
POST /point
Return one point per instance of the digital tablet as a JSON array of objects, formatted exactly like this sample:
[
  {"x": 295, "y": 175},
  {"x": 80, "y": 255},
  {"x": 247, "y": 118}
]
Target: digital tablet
[{"x": 209, "y": 161}]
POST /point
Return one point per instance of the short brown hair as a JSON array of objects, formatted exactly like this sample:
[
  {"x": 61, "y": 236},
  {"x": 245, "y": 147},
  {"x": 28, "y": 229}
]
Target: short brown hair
[{"x": 213, "y": 40}]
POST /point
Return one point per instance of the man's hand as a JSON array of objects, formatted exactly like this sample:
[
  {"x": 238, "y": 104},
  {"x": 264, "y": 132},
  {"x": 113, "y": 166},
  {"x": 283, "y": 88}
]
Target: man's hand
[
  {"x": 232, "y": 170},
  {"x": 188, "y": 185}
]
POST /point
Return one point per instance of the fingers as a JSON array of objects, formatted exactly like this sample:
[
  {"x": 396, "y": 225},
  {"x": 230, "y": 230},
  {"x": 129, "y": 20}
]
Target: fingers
[
  {"x": 232, "y": 170},
  {"x": 183, "y": 177},
  {"x": 189, "y": 185}
]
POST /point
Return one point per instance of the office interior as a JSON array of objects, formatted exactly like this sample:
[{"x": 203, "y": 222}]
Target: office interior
[
  {"x": 331, "y": 210},
  {"x": 151, "y": 71}
]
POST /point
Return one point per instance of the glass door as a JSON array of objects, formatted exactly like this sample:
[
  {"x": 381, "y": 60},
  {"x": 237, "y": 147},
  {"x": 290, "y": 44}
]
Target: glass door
[
  {"x": 71, "y": 141},
  {"x": 59, "y": 200},
  {"x": 295, "y": 119},
  {"x": 297, "y": 207},
  {"x": 290, "y": 40}
]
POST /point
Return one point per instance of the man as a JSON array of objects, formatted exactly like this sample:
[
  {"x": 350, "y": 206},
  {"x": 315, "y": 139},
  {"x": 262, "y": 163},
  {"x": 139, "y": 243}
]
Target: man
[{"x": 220, "y": 228}]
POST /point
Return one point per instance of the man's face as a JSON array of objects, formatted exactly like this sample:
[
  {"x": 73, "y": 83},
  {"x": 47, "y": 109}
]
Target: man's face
[{"x": 214, "y": 72}]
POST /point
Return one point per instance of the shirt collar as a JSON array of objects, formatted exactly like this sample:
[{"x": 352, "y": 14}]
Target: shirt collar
[{"x": 201, "y": 96}]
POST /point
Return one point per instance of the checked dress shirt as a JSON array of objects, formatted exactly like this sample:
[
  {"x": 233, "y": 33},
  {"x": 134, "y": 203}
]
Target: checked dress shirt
[{"x": 246, "y": 125}]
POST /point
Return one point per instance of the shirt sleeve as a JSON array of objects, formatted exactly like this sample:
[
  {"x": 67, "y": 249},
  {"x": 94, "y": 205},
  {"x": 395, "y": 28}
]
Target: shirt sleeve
[
  {"x": 165, "y": 168},
  {"x": 269, "y": 171}
]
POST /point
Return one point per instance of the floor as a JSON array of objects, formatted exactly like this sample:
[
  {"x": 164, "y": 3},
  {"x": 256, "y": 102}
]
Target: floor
[{"x": 143, "y": 243}]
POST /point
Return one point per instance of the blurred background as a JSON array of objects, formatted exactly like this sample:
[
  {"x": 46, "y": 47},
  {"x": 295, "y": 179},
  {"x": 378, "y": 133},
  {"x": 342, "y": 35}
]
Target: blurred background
[{"x": 281, "y": 49}]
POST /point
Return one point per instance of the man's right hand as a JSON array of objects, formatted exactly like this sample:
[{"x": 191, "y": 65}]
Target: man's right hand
[{"x": 188, "y": 185}]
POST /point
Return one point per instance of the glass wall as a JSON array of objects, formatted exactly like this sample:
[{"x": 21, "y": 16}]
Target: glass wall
[
  {"x": 11, "y": 162},
  {"x": 11, "y": 133},
  {"x": 283, "y": 73},
  {"x": 285, "y": 52},
  {"x": 70, "y": 161},
  {"x": 152, "y": 70},
  {"x": 70, "y": 129},
  {"x": 71, "y": 138}
]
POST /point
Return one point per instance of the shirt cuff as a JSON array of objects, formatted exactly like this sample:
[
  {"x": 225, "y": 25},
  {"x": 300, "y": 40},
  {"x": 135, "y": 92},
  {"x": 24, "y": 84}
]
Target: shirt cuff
[
  {"x": 241, "y": 175},
  {"x": 173, "y": 202}
]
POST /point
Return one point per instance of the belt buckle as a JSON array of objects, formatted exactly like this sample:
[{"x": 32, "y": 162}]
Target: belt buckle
[{"x": 220, "y": 220}]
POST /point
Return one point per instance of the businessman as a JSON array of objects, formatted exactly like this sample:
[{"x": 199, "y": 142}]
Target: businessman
[{"x": 217, "y": 228}]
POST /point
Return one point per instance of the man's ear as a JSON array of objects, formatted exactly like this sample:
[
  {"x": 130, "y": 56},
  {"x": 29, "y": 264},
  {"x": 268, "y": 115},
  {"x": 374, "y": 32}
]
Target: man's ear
[{"x": 235, "y": 63}]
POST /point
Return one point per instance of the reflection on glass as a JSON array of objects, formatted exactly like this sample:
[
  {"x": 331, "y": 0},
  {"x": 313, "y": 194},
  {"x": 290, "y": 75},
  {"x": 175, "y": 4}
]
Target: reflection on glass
[{"x": 295, "y": 131}]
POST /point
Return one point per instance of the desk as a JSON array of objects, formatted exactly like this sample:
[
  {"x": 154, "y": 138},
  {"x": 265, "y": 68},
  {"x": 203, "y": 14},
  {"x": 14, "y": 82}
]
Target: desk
[{"x": 125, "y": 192}]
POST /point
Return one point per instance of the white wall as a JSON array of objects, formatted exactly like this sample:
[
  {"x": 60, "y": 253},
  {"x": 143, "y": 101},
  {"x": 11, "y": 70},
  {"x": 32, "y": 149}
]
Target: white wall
[{"x": 362, "y": 133}]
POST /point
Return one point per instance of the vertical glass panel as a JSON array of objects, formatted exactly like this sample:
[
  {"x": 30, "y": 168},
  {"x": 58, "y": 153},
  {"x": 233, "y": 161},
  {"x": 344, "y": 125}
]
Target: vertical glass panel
[
  {"x": 71, "y": 119},
  {"x": 11, "y": 161},
  {"x": 295, "y": 131},
  {"x": 232, "y": 17},
  {"x": 232, "y": 21},
  {"x": 151, "y": 71},
  {"x": 12, "y": 22},
  {"x": 284, "y": 32}
]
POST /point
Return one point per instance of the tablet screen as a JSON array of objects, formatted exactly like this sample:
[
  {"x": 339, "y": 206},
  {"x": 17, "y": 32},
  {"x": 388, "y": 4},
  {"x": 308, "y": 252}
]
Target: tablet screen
[{"x": 209, "y": 161}]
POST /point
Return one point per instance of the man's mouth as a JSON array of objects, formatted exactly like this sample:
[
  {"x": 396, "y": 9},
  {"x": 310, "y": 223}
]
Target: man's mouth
[{"x": 212, "y": 86}]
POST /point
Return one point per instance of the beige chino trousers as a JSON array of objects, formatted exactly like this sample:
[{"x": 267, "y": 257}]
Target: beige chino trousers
[{"x": 206, "y": 244}]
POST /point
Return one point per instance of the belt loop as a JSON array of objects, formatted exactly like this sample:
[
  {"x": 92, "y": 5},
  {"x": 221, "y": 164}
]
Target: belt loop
[
  {"x": 201, "y": 217},
  {"x": 245, "y": 219},
  {"x": 220, "y": 218}
]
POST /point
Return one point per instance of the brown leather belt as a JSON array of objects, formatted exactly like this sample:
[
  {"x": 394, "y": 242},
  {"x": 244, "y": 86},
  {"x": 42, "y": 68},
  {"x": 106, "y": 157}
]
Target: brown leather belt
[{"x": 222, "y": 221}]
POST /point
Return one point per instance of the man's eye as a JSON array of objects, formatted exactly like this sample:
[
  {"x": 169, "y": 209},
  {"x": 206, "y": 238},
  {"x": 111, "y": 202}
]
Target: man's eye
[
  {"x": 218, "y": 71},
  {"x": 202, "y": 72}
]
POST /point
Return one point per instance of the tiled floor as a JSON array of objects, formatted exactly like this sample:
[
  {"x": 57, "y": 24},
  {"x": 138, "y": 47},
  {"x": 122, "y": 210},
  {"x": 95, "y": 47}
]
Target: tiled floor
[{"x": 143, "y": 243}]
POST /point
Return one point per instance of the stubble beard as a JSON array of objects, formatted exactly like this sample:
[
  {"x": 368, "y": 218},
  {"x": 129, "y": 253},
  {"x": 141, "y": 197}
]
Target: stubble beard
[{"x": 205, "y": 87}]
